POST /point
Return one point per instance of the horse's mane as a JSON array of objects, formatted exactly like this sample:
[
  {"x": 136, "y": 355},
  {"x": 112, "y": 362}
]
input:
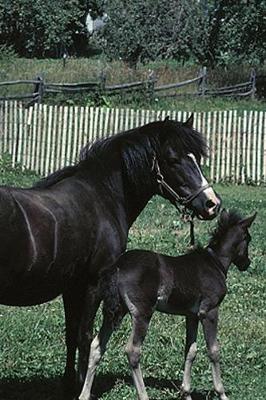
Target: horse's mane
[
  {"x": 226, "y": 221},
  {"x": 136, "y": 148},
  {"x": 55, "y": 177}
]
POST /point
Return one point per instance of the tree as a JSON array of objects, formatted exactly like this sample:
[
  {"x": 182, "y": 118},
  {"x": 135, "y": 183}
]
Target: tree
[
  {"x": 144, "y": 30},
  {"x": 38, "y": 28},
  {"x": 210, "y": 32}
]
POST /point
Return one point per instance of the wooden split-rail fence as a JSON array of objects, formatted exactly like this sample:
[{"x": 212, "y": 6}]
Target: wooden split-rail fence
[
  {"x": 44, "y": 138},
  {"x": 197, "y": 86}
]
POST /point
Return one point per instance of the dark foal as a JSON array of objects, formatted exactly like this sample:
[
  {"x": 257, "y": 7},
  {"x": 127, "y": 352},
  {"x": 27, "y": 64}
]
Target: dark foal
[{"x": 193, "y": 285}]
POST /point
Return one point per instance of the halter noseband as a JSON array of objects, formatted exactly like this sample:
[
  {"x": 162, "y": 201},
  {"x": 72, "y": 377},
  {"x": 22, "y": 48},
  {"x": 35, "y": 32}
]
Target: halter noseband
[{"x": 187, "y": 214}]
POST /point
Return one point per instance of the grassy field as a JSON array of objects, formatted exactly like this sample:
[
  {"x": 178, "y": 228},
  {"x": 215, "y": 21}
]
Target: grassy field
[{"x": 32, "y": 348}]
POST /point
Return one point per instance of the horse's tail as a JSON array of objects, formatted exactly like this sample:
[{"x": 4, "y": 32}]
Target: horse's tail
[{"x": 112, "y": 305}]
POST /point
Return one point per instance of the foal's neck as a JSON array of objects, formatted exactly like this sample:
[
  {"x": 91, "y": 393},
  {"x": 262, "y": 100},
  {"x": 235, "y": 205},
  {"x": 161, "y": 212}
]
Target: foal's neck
[{"x": 223, "y": 253}]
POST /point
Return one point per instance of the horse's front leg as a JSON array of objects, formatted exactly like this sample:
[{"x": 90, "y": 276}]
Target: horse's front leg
[
  {"x": 92, "y": 302},
  {"x": 73, "y": 305},
  {"x": 190, "y": 354},
  {"x": 210, "y": 332}
]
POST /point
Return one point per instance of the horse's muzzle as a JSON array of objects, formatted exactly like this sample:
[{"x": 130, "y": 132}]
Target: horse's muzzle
[{"x": 207, "y": 205}]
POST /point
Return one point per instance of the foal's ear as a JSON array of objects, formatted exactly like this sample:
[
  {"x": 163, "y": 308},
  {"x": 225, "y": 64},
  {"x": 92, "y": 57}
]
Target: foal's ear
[
  {"x": 246, "y": 223},
  {"x": 189, "y": 122},
  {"x": 224, "y": 215}
]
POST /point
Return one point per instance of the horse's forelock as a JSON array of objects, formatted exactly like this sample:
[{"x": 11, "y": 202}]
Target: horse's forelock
[{"x": 184, "y": 139}]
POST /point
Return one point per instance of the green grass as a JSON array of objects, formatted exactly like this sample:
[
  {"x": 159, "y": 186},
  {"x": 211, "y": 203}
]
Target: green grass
[{"x": 32, "y": 348}]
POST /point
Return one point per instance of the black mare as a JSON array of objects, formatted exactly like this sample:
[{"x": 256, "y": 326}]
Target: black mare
[
  {"x": 57, "y": 236},
  {"x": 193, "y": 285}
]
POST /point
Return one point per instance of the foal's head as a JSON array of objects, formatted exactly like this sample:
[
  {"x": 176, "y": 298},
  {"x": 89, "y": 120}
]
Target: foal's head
[{"x": 233, "y": 237}]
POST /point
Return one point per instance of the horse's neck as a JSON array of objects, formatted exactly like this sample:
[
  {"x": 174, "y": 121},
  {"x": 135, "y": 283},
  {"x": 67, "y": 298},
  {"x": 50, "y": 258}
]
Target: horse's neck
[
  {"x": 134, "y": 205},
  {"x": 128, "y": 200}
]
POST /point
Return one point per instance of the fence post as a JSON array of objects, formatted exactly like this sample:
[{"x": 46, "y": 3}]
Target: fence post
[
  {"x": 202, "y": 86},
  {"x": 150, "y": 85},
  {"x": 102, "y": 81},
  {"x": 101, "y": 88},
  {"x": 39, "y": 88},
  {"x": 253, "y": 83}
]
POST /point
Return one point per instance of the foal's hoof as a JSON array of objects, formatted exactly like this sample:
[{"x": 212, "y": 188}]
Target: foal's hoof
[
  {"x": 202, "y": 314},
  {"x": 185, "y": 394}
]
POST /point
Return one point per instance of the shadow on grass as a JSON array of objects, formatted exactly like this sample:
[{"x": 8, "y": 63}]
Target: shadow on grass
[
  {"x": 104, "y": 383},
  {"x": 39, "y": 388},
  {"x": 51, "y": 389}
]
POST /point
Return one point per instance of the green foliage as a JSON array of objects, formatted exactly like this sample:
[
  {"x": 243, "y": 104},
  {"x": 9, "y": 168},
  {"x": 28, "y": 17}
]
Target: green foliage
[
  {"x": 242, "y": 36},
  {"x": 38, "y": 28},
  {"x": 141, "y": 31},
  {"x": 209, "y": 32},
  {"x": 7, "y": 53}
]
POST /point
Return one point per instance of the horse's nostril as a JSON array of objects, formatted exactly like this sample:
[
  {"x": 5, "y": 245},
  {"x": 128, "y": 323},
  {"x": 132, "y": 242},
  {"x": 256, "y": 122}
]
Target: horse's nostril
[{"x": 209, "y": 204}]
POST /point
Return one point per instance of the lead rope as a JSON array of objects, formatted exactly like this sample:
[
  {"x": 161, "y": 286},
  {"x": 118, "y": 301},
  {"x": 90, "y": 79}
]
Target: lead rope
[
  {"x": 192, "y": 234},
  {"x": 189, "y": 217}
]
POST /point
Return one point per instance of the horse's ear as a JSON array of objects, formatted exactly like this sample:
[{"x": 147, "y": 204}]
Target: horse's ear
[
  {"x": 189, "y": 122},
  {"x": 246, "y": 223}
]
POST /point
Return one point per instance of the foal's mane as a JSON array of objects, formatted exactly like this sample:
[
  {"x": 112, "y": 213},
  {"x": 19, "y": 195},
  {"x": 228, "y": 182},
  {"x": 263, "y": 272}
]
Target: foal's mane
[
  {"x": 136, "y": 148},
  {"x": 224, "y": 224}
]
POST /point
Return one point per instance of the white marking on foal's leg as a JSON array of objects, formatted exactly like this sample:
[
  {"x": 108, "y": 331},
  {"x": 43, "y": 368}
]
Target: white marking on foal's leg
[
  {"x": 216, "y": 371},
  {"x": 186, "y": 384},
  {"x": 97, "y": 350},
  {"x": 133, "y": 352},
  {"x": 133, "y": 349},
  {"x": 210, "y": 332},
  {"x": 190, "y": 355},
  {"x": 95, "y": 356}
]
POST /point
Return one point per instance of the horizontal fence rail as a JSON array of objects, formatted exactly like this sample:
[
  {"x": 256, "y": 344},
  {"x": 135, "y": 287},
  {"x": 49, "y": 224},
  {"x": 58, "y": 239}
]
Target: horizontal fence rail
[
  {"x": 148, "y": 87},
  {"x": 44, "y": 138}
]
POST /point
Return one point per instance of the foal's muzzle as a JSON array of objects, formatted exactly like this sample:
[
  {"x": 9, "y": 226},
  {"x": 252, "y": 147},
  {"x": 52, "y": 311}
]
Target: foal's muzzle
[{"x": 242, "y": 263}]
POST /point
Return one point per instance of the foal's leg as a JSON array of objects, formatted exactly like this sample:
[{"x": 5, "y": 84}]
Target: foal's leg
[
  {"x": 190, "y": 354},
  {"x": 90, "y": 309},
  {"x": 210, "y": 332},
  {"x": 97, "y": 350},
  {"x": 133, "y": 348}
]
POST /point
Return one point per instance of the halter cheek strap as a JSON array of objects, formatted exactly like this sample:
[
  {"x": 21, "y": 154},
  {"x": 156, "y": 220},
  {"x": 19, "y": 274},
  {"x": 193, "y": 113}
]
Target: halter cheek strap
[
  {"x": 163, "y": 184},
  {"x": 187, "y": 214}
]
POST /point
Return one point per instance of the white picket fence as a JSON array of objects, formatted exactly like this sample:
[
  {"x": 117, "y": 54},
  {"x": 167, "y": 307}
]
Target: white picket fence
[{"x": 44, "y": 138}]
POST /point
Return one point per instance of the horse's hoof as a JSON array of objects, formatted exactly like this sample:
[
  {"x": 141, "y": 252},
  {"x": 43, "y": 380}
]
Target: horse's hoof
[{"x": 69, "y": 386}]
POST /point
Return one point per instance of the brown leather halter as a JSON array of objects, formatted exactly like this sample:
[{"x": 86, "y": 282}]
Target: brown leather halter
[{"x": 186, "y": 214}]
